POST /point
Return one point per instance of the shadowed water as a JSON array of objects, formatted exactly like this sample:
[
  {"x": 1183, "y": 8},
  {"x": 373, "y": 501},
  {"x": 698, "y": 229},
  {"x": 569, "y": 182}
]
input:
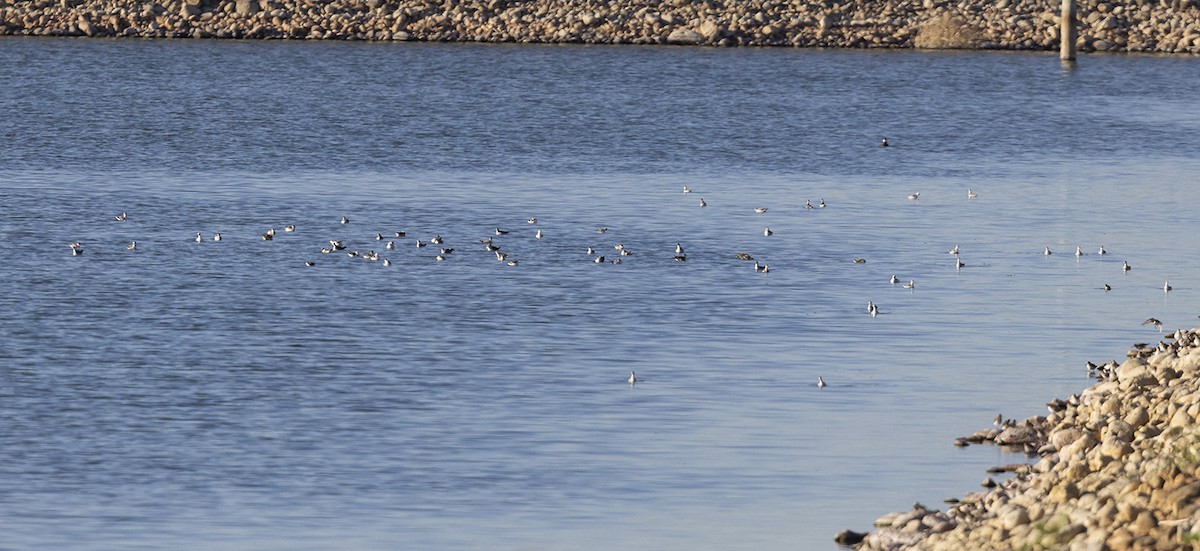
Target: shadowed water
[{"x": 223, "y": 394}]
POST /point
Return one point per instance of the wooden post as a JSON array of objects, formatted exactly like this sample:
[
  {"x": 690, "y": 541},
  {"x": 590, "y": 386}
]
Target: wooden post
[{"x": 1066, "y": 31}]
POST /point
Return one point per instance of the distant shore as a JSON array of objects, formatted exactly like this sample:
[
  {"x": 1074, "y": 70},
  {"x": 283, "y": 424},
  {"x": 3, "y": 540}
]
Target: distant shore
[
  {"x": 1119, "y": 468},
  {"x": 1159, "y": 26}
]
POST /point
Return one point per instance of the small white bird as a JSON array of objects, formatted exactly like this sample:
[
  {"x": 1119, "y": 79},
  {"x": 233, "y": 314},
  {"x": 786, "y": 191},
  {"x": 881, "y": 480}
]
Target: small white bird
[
  {"x": 512, "y": 262},
  {"x": 599, "y": 260},
  {"x": 387, "y": 262},
  {"x": 531, "y": 221},
  {"x": 767, "y": 232},
  {"x": 703, "y": 203},
  {"x": 122, "y": 217},
  {"x": 344, "y": 220},
  {"x": 217, "y": 237},
  {"x": 132, "y": 245},
  {"x": 971, "y": 194},
  {"x": 390, "y": 245},
  {"x": 821, "y": 204},
  {"x": 198, "y": 237},
  {"x": 1102, "y": 251},
  {"x": 1125, "y": 267},
  {"x": 760, "y": 210},
  {"x": 437, "y": 240},
  {"x": 591, "y": 251},
  {"x": 309, "y": 263},
  {"x": 538, "y": 235},
  {"x": 687, "y": 189},
  {"x": 1046, "y": 251},
  {"x": 954, "y": 250},
  {"x": 678, "y": 248},
  {"x": 895, "y": 279},
  {"x": 820, "y": 382},
  {"x": 632, "y": 377},
  {"x": 1167, "y": 286},
  {"x": 958, "y": 263},
  {"x": 378, "y": 236},
  {"x": 420, "y": 244},
  {"x": 914, "y": 196},
  {"x": 601, "y": 230},
  {"x": 618, "y": 246},
  {"x": 808, "y": 204},
  {"x": 872, "y": 309},
  {"x": 910, "y": 285},
  {"x": 289, "y": 228},
  {"x": 1078, "y": 250}
]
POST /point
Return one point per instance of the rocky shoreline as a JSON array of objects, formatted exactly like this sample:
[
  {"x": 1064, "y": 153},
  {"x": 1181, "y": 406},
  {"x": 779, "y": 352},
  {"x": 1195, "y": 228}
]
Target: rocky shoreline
[
  {"x": 1161, "y": 26},
  {"x": 1119, "y": 469}
]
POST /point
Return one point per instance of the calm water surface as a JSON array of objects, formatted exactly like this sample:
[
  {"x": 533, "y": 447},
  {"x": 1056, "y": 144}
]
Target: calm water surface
[{"x": 225, "y": 395}]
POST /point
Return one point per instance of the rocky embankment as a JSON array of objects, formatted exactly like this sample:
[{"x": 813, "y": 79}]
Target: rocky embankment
[
  {"x": 1119, "y": 469},
  {"x": 1166, "y": 26}
]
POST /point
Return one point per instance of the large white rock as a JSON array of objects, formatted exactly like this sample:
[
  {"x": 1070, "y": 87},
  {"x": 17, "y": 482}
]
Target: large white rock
[{"x": 685, "y": 36}]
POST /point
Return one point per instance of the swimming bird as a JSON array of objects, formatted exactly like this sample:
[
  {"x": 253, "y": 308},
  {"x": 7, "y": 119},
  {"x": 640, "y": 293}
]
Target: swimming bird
[
  {"x": 437, "y": 240},
  {"x": 132, "y": 245},
  {"x": 379, "y": 237},
  {"x": 1102, "y": 251},
  {"x": 860, "y": 260},
  {"x": 439, "y": 258},
  {"x": 390, "y": 245},
  {"x": 1046, "y": 251},
  {"x": 883, "y": 143},
  {"x": 739, "y": 256},
  {"x": 1078, "y": 250},
  {"x": 122, "y": 217},
  {"x": 420, "y": 244},
  {"x": 1155, "y": 322},
  {"x": 680, "y": 258},
  {"x": 615, "y": 261},
  {"x": 486, "y": 241},
  {"x": 958, "y": 263},
  {"x": 199, "y": 238},
  {"x": 1107, "y": 287},
  {"x": 601, "y": 230},
  {"x": 703, "y": 203},
  {"x": 761, "y": 268},
  {"x": 954, "y": 250},
  {"x": 446, "y": 251},
  {"x": 1125, "y": 267},
  {"x": 626, "y": 252},
  {"x": 767, "y": 232},
  {"x": 501, "y": 256},
  {"x": 872, "y": 309},
  {"x": 1167, "y": 286},
  {"x": 760, "y": 210},
  {"x": 500, "y": 231},
  {"x": 632, "y": 377},
  {"x": 971, "y": 194},
  {"x": 326, "y": 250},
  {"x": 687, "y": 189},
  {"x": 269, "y": 235},
  {"x": 512, "y": 262},
  {"x": 401, "y": 234},
  {"x": 531, "y": 221},
  {"x": 820, "y": 382},
  {"x": 821, "y": 204},
  {"x": 216, "y": 237},
  {"x": 387, "y": 262},
  {"x": 76, "y": 248},
  {"x": 289, "y": 228},
  {"x": 336, "y": 244},
  {"x": 894, "y": 279},
  {"x": 491, "y": 248},
  {"x": 599, "y": 259},
  {"x": 309, "y": 263},
  {"x": 344, "y": 220},
  {"x": 538, "y": 235},
  {"x": 618, "y": 246},
  {"x": 678, "y": 248},
  {"x": 808, "y": 204},
  {"x": 914, "y": 196},
  {"x": 910, "y": 285},
  {"x": 591, "y": 251},
  {"x": 352, "y": 254}
]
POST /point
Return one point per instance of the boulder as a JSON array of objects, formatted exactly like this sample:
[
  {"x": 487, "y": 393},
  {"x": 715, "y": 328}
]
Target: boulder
[{"x": 685, "y": 36}]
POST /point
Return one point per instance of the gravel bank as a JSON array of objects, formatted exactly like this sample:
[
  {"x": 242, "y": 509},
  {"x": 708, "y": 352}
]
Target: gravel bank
[
  {"x": 1119, "y": 469},
  {"x": 1165, "y": 26}
]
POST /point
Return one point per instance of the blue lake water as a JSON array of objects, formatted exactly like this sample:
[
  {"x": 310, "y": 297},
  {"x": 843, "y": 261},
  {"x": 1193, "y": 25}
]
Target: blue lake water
[{"x": 225, "y": 395}]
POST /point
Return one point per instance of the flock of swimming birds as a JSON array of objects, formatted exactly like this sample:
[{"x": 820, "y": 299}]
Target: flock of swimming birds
[{"x": 494, "y": 244}]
